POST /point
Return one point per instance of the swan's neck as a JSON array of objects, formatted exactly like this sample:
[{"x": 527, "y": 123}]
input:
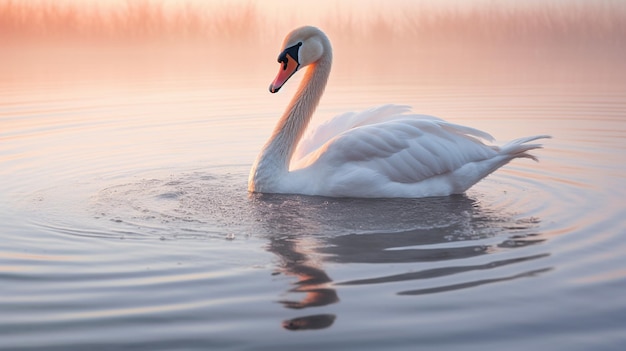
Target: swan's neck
[
  {"x": 276, "y": 154},
  {"x": 297, "y": 115}
]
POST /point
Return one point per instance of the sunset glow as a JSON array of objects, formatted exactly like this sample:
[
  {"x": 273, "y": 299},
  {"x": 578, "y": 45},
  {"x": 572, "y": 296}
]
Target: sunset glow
[
  {"x": 175, "y": 35},
  {"x": 218, "y": 20}
]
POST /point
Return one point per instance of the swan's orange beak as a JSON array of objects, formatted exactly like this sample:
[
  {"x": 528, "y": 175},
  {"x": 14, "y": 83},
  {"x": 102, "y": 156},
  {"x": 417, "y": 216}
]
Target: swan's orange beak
[
  {"x": 287, "y": 68},
  {"x": 289, "y": 65}
]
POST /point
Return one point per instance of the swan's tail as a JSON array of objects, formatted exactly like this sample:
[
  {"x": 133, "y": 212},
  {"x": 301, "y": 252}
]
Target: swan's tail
[{"x": 519, "y": 147}]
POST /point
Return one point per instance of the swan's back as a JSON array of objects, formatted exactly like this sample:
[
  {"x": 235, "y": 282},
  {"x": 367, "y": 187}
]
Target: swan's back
[
  {"x": 387, "y": 152},
  {"x": 349, "y": 120}
]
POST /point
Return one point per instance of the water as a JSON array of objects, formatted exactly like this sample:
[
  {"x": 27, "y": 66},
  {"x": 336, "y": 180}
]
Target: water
[{"x": 126, "y": 224}]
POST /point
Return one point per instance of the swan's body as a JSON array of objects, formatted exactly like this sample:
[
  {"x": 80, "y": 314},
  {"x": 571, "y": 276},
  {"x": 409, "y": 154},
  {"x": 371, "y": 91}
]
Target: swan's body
[{"x": 382, "y": 152}]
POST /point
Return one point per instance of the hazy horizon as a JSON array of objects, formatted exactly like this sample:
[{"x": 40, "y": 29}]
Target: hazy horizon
[
  {"x": 123, "y": 38},
  {"x": 120, "y": 20}
]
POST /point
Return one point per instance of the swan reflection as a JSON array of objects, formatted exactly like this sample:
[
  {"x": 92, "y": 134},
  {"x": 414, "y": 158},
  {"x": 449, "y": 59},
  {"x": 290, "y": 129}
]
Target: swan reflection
[
  {"x": 312, "y": 284},
  {"x": 307, "y": 232}
]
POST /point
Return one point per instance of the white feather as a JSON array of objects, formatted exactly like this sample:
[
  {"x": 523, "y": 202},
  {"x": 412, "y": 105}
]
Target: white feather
[{"x": 399, "y": 155}]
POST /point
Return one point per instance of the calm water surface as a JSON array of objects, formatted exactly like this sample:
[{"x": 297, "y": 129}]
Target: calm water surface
[{"x": 125, "y": 221}]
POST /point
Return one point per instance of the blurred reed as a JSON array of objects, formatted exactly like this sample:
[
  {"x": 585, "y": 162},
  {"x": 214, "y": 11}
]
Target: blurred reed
[
  {"x": 569, "y": 23},
  {"x": 387, "y": 39},
  {"x": 128, "y": 21}
]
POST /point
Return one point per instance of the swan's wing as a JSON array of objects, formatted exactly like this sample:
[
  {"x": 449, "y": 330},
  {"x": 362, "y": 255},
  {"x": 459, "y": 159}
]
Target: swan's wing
[
  {"x": 328, "y": 130},
  {"x": 406, "y": 150}
]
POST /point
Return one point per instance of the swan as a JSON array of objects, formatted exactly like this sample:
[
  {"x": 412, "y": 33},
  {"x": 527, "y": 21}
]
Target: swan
[{"x": 384, "y": 152}]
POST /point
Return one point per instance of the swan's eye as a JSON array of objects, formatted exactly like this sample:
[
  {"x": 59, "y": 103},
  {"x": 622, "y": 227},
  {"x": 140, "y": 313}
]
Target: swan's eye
[{"x": 284, "y": 61}]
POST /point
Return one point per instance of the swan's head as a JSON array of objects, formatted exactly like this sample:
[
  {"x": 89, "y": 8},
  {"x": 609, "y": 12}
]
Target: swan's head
[{"x": 301, "y": 47}]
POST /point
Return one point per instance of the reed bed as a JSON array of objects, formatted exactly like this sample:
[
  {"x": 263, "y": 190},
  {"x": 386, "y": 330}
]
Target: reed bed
[
  {"x": 553, "y": 23},
  {"x": 127, "y": 22},
  {"x": 122, "y": 39}
]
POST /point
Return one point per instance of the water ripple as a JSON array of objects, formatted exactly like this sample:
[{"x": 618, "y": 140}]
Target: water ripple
[{"x": 112, "y": 228}]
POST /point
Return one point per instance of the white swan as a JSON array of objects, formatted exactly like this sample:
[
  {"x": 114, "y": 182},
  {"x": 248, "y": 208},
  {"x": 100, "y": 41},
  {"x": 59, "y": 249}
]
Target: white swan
[{"x": 382, "y": 152}]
